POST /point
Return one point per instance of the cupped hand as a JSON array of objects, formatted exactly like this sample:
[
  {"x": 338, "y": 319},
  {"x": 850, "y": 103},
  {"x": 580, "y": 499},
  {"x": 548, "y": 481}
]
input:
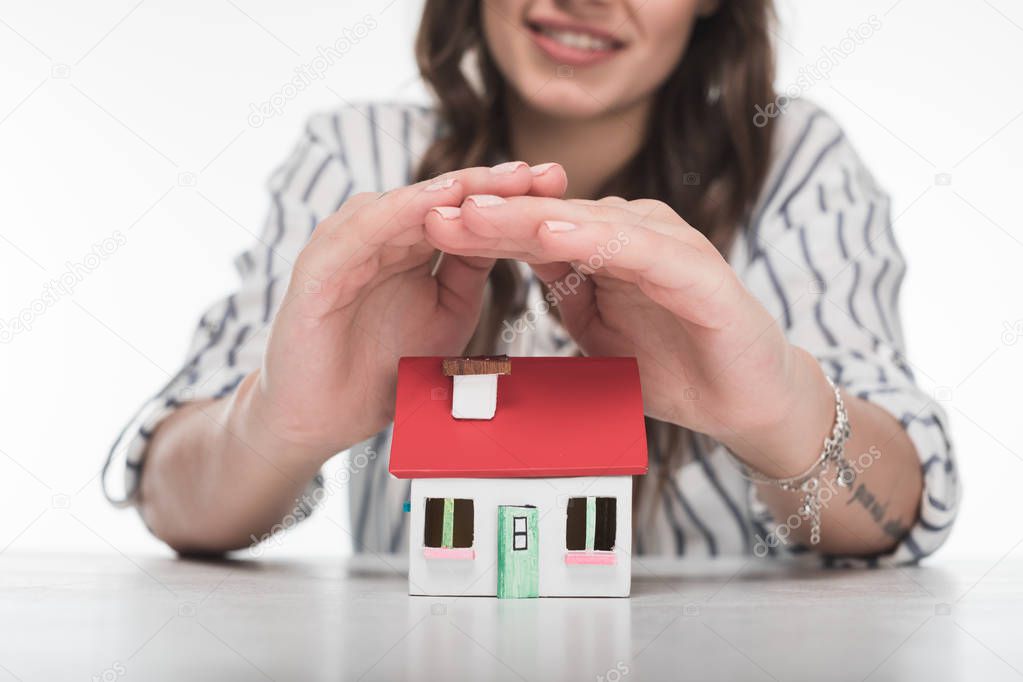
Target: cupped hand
[
  {"x": 362, "y": 295},
  {"x": 633, "y": 278}
]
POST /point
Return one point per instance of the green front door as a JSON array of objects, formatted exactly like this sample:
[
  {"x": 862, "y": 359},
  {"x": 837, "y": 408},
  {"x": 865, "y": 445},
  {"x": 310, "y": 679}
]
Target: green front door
[{"x": 518, "y": 564}]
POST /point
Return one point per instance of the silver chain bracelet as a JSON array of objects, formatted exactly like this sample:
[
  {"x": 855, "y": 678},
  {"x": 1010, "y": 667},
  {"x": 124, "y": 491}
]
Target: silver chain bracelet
[{"x": 808, "y": 483}]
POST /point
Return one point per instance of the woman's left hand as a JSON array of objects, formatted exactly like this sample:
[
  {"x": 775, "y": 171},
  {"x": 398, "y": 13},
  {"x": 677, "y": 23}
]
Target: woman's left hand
[{"x": 632, "y": 278}]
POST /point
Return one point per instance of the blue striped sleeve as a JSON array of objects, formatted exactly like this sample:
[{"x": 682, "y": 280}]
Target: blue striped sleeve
[
  {"x": 229, "y": 340},
  {"x": 824, "y": 259}
]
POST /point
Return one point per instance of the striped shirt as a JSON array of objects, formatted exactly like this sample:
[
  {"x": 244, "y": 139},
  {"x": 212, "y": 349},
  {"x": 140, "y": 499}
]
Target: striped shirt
[{"x": 819, "y": 252}]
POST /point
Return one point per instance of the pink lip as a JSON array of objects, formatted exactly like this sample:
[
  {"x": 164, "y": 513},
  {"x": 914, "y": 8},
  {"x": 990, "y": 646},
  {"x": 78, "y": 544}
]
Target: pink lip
[{"x": 571, "y": 56}]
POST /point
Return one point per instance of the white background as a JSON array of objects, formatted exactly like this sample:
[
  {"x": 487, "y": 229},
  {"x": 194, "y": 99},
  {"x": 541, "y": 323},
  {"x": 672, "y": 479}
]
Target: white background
[{"x": 109, "y": 109}]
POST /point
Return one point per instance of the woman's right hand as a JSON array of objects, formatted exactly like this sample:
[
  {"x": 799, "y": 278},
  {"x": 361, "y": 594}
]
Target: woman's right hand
[{"x": 361, "y": 296}]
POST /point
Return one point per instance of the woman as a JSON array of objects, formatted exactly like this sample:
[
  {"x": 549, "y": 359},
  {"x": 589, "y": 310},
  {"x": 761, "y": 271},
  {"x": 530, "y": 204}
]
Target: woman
[{"x": 755, "y": 264}]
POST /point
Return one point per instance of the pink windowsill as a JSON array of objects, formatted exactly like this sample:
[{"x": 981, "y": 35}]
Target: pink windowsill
[
  {"x": 593, "y": 558},
  {"x": 459, "y": 553}
]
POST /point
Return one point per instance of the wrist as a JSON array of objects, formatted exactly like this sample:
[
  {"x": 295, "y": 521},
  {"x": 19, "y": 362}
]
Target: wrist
[
  {"x": 791, "y": 437},
  {"x": 250, "y": 418}
]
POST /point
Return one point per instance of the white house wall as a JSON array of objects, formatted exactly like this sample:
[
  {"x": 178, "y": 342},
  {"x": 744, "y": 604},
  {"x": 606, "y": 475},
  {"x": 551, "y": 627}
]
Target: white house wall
[{"x": 478, "y": 577}]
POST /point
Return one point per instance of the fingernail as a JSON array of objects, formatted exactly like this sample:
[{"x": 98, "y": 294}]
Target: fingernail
[
  {"x": 540, "y": 169},
  {"x": 485, "y": 200},
  {"x": 447, "y": 183},
  {"x": 447, "y": 212},
  {"x": 559, "y": 225},
  {"x": 506, "y": 168}
]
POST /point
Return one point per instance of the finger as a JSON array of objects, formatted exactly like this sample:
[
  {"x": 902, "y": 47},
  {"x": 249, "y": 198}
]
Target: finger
[
  {"x": 351, "y": 237},
  {"x": 354, "y": 203},
  {"x": 461, "y": 282},
  {"x": 500, "y": 231},
  {"x": 652, "y": 209},
  {"x": 598, "y": 202},
  {"x": 379, "y": 220},
  {"x": 444, "y": 230},
  {"x": 551, "y": 272},
  {"x": 643, "y": 209},
  {"x": 549, "y": 180},
  {"x": 501, "y": 247},
  {"x": 690, "y": 282},
  {"x": 518, "y": 219},
  {"x": 597, "y": 245},
  {"x": 405, "y": 207},
  {"x": 571, "y": 291}
]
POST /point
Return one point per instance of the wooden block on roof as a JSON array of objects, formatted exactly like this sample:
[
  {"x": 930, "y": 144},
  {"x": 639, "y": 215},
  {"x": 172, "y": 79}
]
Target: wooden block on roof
[{"x": 480, "y": 364}]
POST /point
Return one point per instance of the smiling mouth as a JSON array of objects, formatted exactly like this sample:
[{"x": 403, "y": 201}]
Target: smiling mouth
[{"x": 575, "y": 45}]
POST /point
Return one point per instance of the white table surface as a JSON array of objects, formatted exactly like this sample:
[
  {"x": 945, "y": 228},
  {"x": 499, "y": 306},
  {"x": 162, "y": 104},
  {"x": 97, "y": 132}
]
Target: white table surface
[{"x": 113, "y": 617}]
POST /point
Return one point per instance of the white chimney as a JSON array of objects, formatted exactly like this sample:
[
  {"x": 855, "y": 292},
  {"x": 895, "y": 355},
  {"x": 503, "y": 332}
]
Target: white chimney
[{"x": 474, "y": 394}]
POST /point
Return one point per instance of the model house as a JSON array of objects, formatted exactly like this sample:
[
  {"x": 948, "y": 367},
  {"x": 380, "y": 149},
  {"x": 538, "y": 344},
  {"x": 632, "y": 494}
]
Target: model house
[{"x": 521, "y": 474}]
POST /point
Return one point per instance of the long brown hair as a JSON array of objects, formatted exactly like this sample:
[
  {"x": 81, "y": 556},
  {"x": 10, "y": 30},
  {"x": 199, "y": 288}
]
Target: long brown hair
[{"x": 703, "y": 155}]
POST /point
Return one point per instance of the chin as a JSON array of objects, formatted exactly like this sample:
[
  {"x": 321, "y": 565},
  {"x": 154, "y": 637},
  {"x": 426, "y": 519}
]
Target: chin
[{"x": 562, "y": 98}]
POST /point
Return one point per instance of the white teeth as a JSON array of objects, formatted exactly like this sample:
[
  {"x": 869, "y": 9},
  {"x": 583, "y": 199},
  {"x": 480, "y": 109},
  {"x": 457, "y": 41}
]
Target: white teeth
[{"x": 580, "y": 41}]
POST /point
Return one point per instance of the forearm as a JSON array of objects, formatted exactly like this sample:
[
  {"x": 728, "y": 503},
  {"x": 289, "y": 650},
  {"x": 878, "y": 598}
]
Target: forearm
[
  {"x": 880, "y": 506},
  {"x": 214, "y": 477},
  {"x": 872, "y": 514}
]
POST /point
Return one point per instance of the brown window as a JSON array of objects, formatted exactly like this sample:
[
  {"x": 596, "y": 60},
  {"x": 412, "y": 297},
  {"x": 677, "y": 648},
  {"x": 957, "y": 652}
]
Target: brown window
[
  {"x": 458, "y": 513},
  {"x": 604, "y": 511}
]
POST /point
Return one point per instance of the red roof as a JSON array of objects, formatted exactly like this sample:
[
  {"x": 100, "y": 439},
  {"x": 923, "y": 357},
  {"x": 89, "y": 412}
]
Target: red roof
[{"x": 555, "y": 417}]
